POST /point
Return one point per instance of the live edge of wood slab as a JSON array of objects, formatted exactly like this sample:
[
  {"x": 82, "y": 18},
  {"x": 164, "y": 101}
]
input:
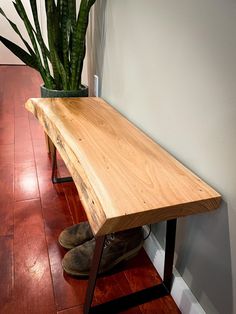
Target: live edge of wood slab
[{"x": 123, "y": 177}]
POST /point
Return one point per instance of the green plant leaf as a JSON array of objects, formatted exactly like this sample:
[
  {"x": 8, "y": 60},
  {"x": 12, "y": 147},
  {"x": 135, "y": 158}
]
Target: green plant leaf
[
  {"x": 66, "y": 41},
  {"x": 20, "y": 53},
  {"x": 15, "y": 28},
  {"x": 65, "y": 30},
  {"x": 40, "y": 38},
  {"x": 53, "y": 29},
  {"x": 78, "y": 44},
  {"x": 21, "y": 12},
  {"x": 72, "y": 13},
  {"x": 61, "y": 71},
  {"x": 91, "y": 3}
]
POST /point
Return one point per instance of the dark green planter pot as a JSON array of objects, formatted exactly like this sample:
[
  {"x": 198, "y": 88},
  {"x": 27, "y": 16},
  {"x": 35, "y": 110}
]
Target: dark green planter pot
[{"x": 51, "y": 93}]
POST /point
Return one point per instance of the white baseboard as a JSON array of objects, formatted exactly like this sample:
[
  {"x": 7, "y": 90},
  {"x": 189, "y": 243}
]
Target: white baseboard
[{"x": 180, "y": 292}]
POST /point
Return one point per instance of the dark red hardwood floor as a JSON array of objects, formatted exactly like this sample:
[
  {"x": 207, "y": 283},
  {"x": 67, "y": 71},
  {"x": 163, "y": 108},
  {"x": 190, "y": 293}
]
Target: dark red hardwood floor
[{"x": 33, "y": 212}]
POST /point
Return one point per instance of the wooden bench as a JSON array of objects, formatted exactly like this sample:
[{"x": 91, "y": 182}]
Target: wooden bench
[{"x": 123, "y": 177}]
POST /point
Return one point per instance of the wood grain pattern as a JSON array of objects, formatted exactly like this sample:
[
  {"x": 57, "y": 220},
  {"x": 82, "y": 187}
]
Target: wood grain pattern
[
  {"x": 6, "y": 198},
  {"x": 6, "y": 217},
  {"x": 26, "y": 183},
  {"x": 73, "y": 310},
  {"x": 73, "y": 201},
  {"x": 32, "y": 272},
  {"x": 23, "y": 144},
  {"x": 6, "y": 273},
  {"x": 7, "y": 153},
  {"x": 123, "y": 177},
  {"x": 68, "y": 291}
]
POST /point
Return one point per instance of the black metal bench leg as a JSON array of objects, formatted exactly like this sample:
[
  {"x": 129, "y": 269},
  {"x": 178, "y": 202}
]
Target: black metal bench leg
[
  {"x": 169, "y": 253},
  {"x": 93, "y": 273},
  {"x": 135, "y": 298},
  {"x": 54, "y": 177}
]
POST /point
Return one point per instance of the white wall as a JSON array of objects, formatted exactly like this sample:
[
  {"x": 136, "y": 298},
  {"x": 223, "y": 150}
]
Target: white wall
[{"x": 170, "y": 67}]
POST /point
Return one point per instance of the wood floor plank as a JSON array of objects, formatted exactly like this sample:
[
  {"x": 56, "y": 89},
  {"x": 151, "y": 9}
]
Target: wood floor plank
[
  {"x": 22, "y": 129},
  {"x": 23, "y": 143},
  {"x": 164, "y": 305},
  {"x": 79, "y": 310},
  {"x": 7, "y": 153},
  {"x": 6, "y": 109},
  {"x": 6, "y": 181},
  {"x": 6, "y": 112},
  {"x": 6, "y": 132},
  {"x": 111, "y": 286},
  {"x": 6, "y": 217},
  {"x": 74, "y": 204},
  {"x": 42, "y": 159},
  {"x": 68, "y": 291},
  {"x": 36, "y": 129},
  {"x": 140, "y": 272},
  {"x": 28, "y": 82},
  {"x": 33, "y": 286},
  {"x": 137, "y": 273},
  {"x": 26, "y": 182},
  {"x": 6, "y": 272},
  {"x": 23, "y": 152},
  {"x": 72, "y": 310}
]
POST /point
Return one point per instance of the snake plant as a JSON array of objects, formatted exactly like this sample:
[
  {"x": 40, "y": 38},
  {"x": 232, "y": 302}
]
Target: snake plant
[{"x": 60, "y": 62}]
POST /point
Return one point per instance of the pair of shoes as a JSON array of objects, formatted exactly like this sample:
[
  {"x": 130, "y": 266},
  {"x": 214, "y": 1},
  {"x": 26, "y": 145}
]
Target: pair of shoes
[
  {"x": 118, "y": 247},
  {"x": 75, "y": 235}
]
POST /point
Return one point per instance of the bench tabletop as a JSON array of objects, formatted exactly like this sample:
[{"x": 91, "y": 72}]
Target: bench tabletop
[{"x": 123, "y": 177}]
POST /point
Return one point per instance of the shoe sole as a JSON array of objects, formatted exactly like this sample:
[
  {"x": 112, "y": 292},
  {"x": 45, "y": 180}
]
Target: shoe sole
[{"x": 127, "y": 256}]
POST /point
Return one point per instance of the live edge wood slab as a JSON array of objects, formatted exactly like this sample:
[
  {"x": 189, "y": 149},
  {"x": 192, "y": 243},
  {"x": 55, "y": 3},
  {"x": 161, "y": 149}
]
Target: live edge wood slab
[{"x": 123, "y": 177}]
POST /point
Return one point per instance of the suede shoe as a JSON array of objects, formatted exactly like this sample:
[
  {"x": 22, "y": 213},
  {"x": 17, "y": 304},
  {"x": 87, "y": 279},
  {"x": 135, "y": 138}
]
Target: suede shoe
[
  {"x": 118, "y": 247},
  {"x": 75, "y": 235}
]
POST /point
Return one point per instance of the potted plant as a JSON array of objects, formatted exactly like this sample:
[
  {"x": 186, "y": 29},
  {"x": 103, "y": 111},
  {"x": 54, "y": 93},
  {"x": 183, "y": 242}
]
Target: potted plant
[{"x": 59, "y": 63}]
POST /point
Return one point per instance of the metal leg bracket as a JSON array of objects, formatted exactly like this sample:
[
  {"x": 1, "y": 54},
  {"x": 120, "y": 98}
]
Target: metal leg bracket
[
  {"x": 136, "y": 298},
  {"x": 54, "y": 177}
]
